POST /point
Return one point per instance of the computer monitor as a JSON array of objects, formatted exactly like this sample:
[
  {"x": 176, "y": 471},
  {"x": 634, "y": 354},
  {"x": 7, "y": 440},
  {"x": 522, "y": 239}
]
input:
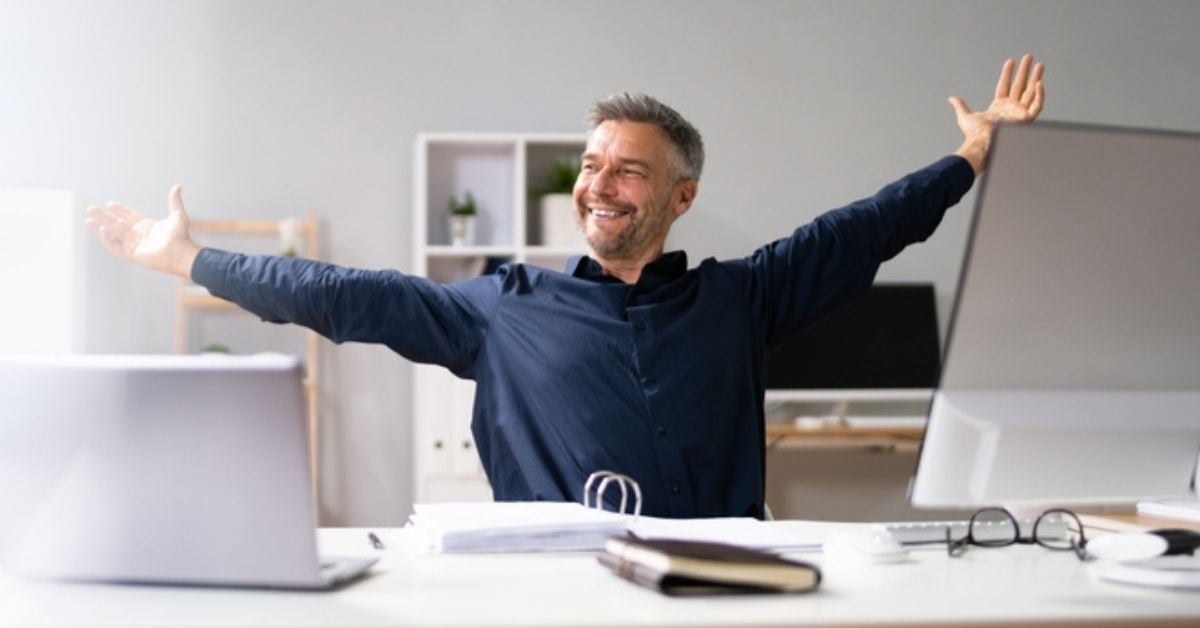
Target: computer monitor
[{"x": 1072, "y": 365}]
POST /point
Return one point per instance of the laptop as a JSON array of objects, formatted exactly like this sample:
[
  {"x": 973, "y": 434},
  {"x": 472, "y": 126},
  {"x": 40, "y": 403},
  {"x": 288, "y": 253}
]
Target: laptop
[{"x": 187, "y": 470}]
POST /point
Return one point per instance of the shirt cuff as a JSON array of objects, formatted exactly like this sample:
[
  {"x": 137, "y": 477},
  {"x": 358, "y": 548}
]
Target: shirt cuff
[
  {"x": 957, "y": 172},
  {"x": 211, "y": 267}
]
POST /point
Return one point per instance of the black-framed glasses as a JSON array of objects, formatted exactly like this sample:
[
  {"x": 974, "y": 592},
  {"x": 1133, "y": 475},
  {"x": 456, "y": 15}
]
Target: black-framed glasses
[{"x": 1056, "y": 529}]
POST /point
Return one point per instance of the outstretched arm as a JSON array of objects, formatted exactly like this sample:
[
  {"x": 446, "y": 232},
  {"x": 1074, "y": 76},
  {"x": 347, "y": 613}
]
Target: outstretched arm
[
  {"x": 1017, "y": 99},
  {"x": 163, "y": 245}
]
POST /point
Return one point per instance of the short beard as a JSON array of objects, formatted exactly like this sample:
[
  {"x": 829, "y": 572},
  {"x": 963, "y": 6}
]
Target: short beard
[{"x": 633, "y": 238}]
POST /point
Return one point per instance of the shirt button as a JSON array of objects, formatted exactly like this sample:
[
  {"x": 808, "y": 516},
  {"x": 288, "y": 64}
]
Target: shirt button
[
  {"x": 640, "y": 326},
  {"x": 662, "y": 431},
  {"x": 648, "y": 380},
  {"x": 675, "y": 488}
]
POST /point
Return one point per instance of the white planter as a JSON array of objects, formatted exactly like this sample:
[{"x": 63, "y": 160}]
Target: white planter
[
  {"x": 559, "y": 227},
  {"x": 462, "y": 230}
]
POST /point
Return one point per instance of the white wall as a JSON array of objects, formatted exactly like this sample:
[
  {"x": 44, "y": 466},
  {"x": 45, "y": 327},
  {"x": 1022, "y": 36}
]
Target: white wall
[
  {"x": 268, "y": 108},
  {"x": 38, "y": 262}
]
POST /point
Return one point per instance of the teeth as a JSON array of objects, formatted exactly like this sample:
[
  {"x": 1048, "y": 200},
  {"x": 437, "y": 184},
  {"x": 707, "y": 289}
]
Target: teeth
[{"x": 604, "y": 213}]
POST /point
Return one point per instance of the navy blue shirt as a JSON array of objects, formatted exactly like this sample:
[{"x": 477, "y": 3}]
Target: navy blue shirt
[{"x": 661, "y": 380}]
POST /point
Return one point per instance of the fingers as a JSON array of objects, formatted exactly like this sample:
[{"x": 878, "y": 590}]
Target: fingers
[
  {"x": 96, "y": 218},
  {"x": 175, "y": 199},
  {"x": 108, "y": 215},
  {"x": 123, "y": 213},
  {"x": 1031, "y": 89},
  {"x": 1019, "y": 83},
  {"x": 1022, "y": 84},
  {"x": 1003, "y": 85},
  {"x": 1039, "y": 97},
  {"x": 111, "y": 230}
]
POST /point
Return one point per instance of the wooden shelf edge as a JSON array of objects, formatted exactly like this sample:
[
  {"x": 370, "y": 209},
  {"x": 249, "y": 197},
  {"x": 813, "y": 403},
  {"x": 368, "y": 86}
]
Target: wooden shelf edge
[
  {"x": 850, "y": 394},
  {"x": 204, "y": 300},
  {"x": 838, "y": 432},
  {"x": 306, "y": 226}
]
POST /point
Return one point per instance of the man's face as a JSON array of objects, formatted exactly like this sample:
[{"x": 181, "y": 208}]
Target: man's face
[{"x": 626, "y": 196}]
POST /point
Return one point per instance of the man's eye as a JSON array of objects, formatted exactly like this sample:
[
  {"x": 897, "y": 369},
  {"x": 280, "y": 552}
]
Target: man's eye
[{"x": 589, "y": 168}]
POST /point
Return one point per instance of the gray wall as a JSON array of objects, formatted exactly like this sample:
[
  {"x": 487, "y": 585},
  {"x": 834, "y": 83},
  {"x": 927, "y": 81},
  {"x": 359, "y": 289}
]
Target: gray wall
[{"x": 267, "y": 108}]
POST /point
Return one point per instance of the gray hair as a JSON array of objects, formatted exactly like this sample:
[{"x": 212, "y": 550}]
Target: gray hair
[{"x": 687, "y": 154}]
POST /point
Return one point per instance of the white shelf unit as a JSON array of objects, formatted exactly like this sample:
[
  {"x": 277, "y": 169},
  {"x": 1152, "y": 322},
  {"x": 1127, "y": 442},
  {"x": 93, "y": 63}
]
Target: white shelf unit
[{"x": 498, "y": 169}]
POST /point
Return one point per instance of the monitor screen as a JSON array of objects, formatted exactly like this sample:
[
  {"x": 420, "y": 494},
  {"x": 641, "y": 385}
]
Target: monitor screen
[
  {"x": 156, "y": 468},
  {"x": 887, "y": 338},
  {"x": 1072, "y": 365}
]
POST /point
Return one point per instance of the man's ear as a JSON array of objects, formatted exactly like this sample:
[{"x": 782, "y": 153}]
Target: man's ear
[{"x": 685, "y": 193}]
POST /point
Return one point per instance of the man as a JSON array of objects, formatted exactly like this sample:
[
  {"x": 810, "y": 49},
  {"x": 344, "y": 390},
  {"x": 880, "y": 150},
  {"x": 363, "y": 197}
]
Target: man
[{"x": 630, "y": 361}]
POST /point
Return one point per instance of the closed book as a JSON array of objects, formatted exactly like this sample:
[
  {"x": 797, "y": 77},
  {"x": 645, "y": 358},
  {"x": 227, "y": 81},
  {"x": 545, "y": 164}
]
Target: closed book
[{"x": 696, "y": 568}]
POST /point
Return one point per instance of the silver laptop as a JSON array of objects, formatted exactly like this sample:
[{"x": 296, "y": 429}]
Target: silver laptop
[{"x": 159, "y": 469}]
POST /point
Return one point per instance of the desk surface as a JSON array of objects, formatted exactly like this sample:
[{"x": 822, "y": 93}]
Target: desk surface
[{"x": 985, "y": 586}]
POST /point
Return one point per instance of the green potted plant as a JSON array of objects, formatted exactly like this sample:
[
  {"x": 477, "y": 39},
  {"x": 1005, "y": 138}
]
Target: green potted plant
[
  {"x": 556, "y": 205},
  {"x": 462, "y": 219}
]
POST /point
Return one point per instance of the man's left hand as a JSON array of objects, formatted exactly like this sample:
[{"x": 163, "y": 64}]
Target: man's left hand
[{"x": 1017, "y": 99}]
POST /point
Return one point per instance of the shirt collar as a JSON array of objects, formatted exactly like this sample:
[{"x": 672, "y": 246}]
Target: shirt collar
[{"x": 665, "y": 268}]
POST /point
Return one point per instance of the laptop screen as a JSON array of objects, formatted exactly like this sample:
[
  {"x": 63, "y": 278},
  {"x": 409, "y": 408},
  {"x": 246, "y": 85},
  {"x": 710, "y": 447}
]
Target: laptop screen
[{"x": 189, "y": 469}]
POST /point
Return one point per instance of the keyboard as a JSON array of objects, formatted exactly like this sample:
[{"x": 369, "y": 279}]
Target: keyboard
[{"x": 930, "y": 532}]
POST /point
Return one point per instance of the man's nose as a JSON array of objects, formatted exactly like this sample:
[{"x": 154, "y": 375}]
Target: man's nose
[{"x": 602, "y": 183}]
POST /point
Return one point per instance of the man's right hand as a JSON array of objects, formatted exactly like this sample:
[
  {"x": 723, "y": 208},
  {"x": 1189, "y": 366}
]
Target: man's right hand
[{"x": 162, "y": 245}]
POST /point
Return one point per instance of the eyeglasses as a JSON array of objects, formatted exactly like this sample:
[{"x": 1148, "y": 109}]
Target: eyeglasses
[{"x": 997, "y": 527}]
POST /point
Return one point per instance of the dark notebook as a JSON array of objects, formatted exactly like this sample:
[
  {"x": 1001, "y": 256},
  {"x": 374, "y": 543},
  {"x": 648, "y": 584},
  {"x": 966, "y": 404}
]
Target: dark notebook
[{"x": 695, "y": 568}]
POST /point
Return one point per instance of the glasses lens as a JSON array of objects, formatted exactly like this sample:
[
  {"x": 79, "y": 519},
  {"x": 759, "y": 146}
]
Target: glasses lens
[
  {"x": 1057, "y": 529},
  {"x": 993, "y": 527}
]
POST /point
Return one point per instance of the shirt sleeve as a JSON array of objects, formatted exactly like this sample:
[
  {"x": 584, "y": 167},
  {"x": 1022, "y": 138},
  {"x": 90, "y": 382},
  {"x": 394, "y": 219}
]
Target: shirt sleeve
[
  {"x": 421, "y": 319},
  {"x": 832, "y": 260}
]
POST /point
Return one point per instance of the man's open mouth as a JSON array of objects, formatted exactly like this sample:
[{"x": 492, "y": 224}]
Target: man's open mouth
[{"x": 607, "y": 213}]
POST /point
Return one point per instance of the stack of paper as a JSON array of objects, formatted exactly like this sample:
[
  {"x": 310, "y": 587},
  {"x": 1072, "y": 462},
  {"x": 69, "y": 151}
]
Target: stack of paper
[
  {"x": 564, "y": 526},
  {"x": 516, "y": 526}
]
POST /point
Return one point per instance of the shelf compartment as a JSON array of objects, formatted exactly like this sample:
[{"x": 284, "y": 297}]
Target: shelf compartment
[{"x": 486, "y": 169}]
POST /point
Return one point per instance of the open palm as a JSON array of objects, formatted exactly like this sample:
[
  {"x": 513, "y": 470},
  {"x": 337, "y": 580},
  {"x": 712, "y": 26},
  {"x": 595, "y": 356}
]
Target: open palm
[
  {"x": 128, "y": 235},
  {"x": 1017, "y": 99}
]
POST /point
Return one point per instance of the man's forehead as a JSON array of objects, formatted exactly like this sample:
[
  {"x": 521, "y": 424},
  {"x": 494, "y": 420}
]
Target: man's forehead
[{"x": 628, "y": 140}]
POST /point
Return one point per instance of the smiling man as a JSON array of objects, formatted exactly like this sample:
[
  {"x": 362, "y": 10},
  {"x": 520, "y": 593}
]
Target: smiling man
[
  {"x": 629, "y": 361},
  {"x": 635, "y": 180}
]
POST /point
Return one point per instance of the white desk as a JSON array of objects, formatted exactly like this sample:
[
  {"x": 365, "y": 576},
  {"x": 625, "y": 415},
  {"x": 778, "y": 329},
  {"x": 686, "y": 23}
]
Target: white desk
[{"x": 986, "y": 586}]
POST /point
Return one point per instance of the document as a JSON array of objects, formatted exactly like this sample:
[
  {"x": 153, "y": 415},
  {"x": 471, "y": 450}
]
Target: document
[
  {"x": 566, "y": 526},
  {"x": 515, "y": 526}
]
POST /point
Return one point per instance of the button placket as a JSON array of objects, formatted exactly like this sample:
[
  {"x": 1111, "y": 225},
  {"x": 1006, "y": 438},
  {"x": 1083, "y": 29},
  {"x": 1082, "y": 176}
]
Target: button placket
[{"x": 640, "y": 327}]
